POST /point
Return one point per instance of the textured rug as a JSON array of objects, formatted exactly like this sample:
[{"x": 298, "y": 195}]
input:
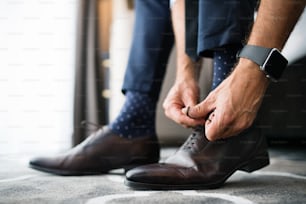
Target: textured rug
[{"x": 283, "y": 181}]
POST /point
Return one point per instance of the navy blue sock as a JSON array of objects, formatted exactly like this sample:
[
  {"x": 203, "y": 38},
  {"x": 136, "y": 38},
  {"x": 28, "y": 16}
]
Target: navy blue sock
[
  {"x": 137, "y": 116},
  {"x": 224, "y": 61}
]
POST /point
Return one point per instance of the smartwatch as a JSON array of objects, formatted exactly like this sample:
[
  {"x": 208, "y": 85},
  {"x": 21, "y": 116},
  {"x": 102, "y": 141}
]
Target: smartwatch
[{"x": 270, "y": 60}]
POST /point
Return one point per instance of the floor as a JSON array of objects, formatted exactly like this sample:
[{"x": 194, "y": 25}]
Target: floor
[{"x": 284, "y": 181}]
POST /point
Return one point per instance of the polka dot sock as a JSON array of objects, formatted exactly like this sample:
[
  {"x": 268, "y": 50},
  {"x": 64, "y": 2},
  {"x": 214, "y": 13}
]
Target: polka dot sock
[
  {"x": 224, "y": 61},
  {"x": 137, "y": 116}
]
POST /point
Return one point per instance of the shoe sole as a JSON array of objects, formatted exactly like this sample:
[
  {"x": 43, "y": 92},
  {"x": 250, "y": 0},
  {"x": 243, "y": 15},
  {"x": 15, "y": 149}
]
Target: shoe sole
[
  {"x": 65, "y": 173},
  {"x": 84, "y": 173},
  {"x": 254, "y": 164}
]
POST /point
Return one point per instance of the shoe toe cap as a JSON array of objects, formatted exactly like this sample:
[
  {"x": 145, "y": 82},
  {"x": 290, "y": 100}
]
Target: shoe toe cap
[{"x": 154, "y": 173}]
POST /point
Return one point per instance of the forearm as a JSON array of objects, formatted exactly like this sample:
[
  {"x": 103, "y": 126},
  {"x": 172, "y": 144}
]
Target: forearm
[
  {"x": 185, "y": 66},
  {"x": 273, "y": 25},
  {"x": 275, "y": 21}
]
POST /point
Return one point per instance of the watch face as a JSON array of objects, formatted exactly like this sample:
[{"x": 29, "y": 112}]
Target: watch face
[{"x": 275, "y": 64}]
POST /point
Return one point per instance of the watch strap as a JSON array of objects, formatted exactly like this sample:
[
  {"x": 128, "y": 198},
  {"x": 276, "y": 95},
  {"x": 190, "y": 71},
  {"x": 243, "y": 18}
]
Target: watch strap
[{"x": 255, "y": 53}]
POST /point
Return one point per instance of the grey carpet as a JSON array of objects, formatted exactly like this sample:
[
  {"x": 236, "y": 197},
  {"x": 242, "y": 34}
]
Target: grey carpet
[{"x": 283, "y": 181}]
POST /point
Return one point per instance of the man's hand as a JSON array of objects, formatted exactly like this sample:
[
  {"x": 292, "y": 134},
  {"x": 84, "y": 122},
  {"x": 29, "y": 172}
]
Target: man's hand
[
  {"x": 183, "y": 93},
  {"x": 233, "y": 105}
]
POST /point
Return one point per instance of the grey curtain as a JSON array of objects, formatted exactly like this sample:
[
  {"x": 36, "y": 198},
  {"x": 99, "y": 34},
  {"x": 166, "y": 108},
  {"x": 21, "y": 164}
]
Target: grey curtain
[{"x": 88, "y": 103}]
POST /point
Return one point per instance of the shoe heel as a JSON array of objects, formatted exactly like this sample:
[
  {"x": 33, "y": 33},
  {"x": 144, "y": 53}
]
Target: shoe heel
[{"x": 256, "y": 163}]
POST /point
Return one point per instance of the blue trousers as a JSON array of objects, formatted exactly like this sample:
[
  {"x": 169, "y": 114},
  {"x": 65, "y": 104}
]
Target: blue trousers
[
  {"x": 217, "y": 23},
  {"x": 223, "y": 22},
  {"x": 152, "y": 42}
]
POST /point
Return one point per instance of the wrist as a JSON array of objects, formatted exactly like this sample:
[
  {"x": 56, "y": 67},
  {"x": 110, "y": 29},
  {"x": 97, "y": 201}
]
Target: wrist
[
  {"x": 250, "y": 70},
  {"x": 186, "y": 70},
  {"x": 269, "y": 60},
  {"x": 185, "y": 77}
]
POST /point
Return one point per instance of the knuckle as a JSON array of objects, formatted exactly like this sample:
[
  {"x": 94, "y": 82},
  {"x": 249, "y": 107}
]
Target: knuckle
[
  {"x": 195, "y": 109},
  {"x": 168, "y": 114},
  {"x": 198, "y": 108},
  {"x": 165, "y": 105},
  {"x": 181, "y": 122}
]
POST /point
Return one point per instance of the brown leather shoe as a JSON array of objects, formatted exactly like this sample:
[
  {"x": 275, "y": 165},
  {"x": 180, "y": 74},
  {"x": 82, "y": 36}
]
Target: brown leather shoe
[
  {"x": 200, "y": 164},
  {"x": 101, "y": 152}
]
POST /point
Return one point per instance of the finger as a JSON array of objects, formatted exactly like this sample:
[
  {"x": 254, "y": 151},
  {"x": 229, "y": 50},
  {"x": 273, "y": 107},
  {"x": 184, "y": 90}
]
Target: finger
[
  {"x": 217, "y": 128},
  {"x": 192, "y": 120},
  {"x": 185, "y": 111},
  {"x": 190, "y": 97},
  {"x": 227, "y": 125},
  {"x": 201, "y": 110},
  {"x": 189, "y": 122},
  {"x": 210, "y": 118},
  {"x": 189, "y": 101},
  {"x": 178, "y": 116},
  {"x": 214, "y": 126}
]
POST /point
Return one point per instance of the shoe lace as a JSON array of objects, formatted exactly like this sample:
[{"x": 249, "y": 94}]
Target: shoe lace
[{"x": 195, "y": 136}]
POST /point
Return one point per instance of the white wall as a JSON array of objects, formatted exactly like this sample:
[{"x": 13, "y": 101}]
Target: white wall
[
  {"x": 37, "y": 49},
  {"x": 295, "y": 47}
]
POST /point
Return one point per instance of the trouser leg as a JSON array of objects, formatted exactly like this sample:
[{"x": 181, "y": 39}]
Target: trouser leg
[{"x": 151, "y": 45}]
